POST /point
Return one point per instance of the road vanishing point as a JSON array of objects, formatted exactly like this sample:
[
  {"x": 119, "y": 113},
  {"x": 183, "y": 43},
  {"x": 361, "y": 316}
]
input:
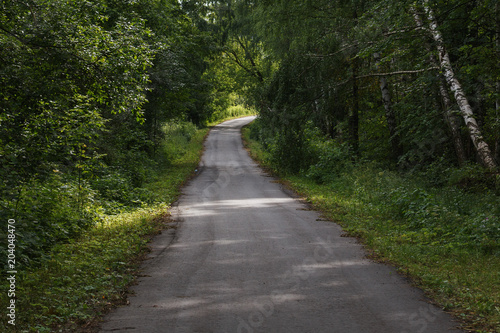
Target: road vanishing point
[{"x": 248, "y": 257}]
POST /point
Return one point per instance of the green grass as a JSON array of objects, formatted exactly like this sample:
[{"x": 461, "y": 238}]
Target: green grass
[
  {"x": 233, "y": 112},
  {"x": 444, "y": 239},
  {"x": 79, "y": 281}
]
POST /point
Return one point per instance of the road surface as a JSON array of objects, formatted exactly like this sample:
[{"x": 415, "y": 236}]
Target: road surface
[{"x": 247, "y": 257}]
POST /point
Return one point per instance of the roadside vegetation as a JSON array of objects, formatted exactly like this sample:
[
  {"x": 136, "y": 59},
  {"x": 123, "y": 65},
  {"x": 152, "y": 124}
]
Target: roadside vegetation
[
  {"x": 385, "y": 114},
  {"x": 444, "y": 238},
  {"x": 72, "y": 284},
  {"x": 75, "y": 281}
]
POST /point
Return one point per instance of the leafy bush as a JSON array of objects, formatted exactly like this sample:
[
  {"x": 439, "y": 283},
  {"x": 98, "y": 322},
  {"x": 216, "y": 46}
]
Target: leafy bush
[
  {"x": 452, "y": 217},
  {"x": 138, "y": 165},
  {"x": 48, "y": 213},
  {"x": 177, "y": 135},
  {"x": 474, "y": 179},
  {"x": 333, "y": 159},
  {"x": 483, "y": 232},
  {"x": 176, "y": 129},
  {"x": 57, "y": 208},
  {"x": 113, "y": 186},
  {"x": 289, "y": 151}
]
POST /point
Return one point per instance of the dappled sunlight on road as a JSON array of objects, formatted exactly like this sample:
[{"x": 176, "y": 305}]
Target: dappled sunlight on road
[{"x": 249, "y": 258}]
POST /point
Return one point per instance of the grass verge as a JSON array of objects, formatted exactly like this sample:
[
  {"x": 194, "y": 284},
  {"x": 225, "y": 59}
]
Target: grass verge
[
  {"x": 444, "y": 240},
  {"x": 79, "y": 281}
]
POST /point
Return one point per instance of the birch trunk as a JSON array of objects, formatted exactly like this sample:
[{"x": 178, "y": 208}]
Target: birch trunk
[
  {"x": 497, "y": 101},
  {"x": 482, "y": 148},
  {"x": 389, "y": 113},
  {"x": 453, "y": 122},
  {"x": 450, "y": 118}
]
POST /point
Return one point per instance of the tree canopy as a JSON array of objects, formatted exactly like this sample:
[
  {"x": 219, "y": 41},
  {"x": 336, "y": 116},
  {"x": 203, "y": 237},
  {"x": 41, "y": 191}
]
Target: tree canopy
[{"x": 412, "y": 81}]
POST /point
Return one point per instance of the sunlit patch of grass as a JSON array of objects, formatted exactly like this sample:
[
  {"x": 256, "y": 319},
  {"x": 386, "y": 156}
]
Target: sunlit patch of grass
[
  {"x": 232, "y": 112},
  {"x": 83, "y": 278}
]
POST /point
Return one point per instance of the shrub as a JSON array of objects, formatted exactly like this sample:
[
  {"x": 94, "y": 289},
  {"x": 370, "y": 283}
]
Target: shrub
[
  {"x": 289, "y": 150},
  {"x": 48, "y": 213},
  {"x": 474, "y": 179},
  {"x": 333, "y": 158}
]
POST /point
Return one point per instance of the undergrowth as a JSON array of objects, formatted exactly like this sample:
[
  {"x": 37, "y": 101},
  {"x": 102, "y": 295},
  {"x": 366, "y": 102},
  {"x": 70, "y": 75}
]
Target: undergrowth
[
  {"x": 445, "y": 238},
  {"x": 88, "y": 270}
]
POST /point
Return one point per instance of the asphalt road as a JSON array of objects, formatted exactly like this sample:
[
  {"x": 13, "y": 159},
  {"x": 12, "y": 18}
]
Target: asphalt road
[{"x": 247, "y": 257}]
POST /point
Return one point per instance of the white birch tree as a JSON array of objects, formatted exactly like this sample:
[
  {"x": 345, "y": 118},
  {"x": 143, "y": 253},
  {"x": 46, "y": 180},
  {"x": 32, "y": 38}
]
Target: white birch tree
[
  {"x": 482, "y": 148},
  {"x": 452, "y": 120}
]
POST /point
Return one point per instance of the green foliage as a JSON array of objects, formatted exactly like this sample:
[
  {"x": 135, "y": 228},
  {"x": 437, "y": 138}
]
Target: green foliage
[
  {"x": 474, "y": 179},
  {"x": 256, "y": 149},
  {"x": 46, "y": 214},
  {"x": 447, "y": 217},
  {"x": 62, "y": 206},
  {"x": 80, "y": 278},
  {"x": 333, "y": 159},
  {"x": 178, "y": 134},
  {"x": 289, "y": 151},
  {"x": 322, "y": 69}
]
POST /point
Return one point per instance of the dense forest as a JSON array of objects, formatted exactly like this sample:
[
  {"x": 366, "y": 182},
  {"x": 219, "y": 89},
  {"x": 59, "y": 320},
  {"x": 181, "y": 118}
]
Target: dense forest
[
  {"x": 412, "y": 83},
  {"x": 90, "y": 89},
  {"x": 86, "y": 88}
]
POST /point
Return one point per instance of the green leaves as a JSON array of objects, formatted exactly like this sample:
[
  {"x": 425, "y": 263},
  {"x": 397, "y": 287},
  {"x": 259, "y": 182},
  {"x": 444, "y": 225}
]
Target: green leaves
[
  {"x": 63, "y": 70},
  {"x": 85, "y": 87}
]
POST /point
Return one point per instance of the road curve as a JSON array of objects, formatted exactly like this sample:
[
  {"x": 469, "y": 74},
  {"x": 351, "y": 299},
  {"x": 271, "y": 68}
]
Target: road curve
[{"x": 247, "y": 257}]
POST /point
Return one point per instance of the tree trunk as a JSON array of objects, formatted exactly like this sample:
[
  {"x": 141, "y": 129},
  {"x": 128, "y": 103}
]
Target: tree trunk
[
  {"x": 395, "y": 139},
  {"x": 450, "y": 118},
  {"x": 497, "y": 101},
  {"x": 482, "y": 148},
  {"x": 354, "y": 114}
]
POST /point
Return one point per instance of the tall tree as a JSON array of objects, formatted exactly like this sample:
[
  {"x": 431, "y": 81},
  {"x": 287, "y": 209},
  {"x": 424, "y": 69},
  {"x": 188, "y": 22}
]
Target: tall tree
[
  {"x": 63, "y": 66},
  {"x": 449, "y": 114},
  {"x": 389, "y": 113},
  {"x": 482, "y": 148}
]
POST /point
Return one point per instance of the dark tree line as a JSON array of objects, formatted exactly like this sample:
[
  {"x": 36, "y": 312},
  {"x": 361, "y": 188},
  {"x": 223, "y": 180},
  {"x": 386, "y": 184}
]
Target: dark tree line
[{"x": 414, "y": 82}]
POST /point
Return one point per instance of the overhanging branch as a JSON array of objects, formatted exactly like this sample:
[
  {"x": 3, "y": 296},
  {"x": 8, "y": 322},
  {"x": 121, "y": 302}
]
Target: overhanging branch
[{"x": 398, "y": 73}]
